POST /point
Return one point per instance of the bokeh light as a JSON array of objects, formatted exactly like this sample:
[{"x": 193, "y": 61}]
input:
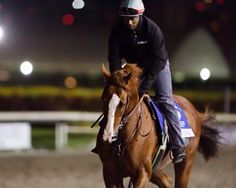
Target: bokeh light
[
  {"x": 200, "y": 6},
  {"x": 208, "y": 1},
  {"x": 70, "y": 82},
  {"x": 4, "y": 75},
  {"x": 220, "y": 2},
  {"x": 205, "y": 74},
  {"x": 26, "y": 68},
  {"x": 78, "y": 4},
  {"x": 68, "y": 19},
  {"x": 215, "y": 27}
]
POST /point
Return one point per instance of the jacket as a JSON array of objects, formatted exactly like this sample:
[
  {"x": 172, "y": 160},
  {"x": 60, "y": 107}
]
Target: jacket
[{"x": 144, "y": 46}]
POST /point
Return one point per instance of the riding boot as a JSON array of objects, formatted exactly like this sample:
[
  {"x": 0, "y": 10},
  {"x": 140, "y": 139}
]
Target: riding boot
[
  {"x": 101, "y": 124},
  {"x": 178, "y": 155}
]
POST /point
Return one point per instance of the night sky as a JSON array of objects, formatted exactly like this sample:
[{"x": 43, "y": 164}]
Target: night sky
[{"x": 56, "y": 37}]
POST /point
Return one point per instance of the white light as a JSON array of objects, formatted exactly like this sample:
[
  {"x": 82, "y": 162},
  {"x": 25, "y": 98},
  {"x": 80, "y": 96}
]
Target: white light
[
  {"x": 1, "y": 33},
  {"x": 205, "y": 74},
  {"x": 26, "y": 68},
  {"x": 78, "y": 4}
]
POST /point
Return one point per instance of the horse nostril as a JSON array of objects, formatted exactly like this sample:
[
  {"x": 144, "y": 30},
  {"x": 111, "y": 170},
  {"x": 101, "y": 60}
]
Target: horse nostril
[{"x": 113, "y": 138}]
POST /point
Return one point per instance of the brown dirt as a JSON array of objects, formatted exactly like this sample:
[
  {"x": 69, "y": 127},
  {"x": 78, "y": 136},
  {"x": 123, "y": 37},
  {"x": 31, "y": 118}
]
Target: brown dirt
[{"x": 83, "y": 170}]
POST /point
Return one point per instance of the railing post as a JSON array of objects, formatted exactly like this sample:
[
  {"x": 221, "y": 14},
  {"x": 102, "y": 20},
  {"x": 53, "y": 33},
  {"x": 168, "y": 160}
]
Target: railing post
[
  {"x": 227, "y": 99},
  {"x": 61, "y": 136}
]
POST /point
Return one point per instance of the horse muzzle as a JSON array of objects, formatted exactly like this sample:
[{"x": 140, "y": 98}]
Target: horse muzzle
[{"x": 109, "y": 136}]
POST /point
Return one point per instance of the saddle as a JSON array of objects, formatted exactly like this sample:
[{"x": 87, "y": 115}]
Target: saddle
[{"x": 162, "y": 128}]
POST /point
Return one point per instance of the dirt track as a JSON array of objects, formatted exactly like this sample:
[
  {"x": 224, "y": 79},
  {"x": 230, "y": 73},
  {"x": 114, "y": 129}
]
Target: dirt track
[{"x": 83, "y": 170}]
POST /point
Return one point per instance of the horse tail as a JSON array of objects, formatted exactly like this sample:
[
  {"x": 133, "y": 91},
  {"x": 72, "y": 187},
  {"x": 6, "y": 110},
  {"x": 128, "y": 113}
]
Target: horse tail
[{"x": 209, "y": 139}]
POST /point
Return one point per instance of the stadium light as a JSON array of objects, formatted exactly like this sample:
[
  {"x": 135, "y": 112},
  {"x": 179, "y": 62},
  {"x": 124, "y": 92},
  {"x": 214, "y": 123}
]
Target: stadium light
[
  {"x": 78, "y": 4},
  {"x": 205, "y": 74},
  {"x": 26, "y": 68}
]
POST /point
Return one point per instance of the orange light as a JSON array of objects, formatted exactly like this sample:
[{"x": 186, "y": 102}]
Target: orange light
[
  {"x": 70, "y": 82},
  {"x": 214, "y": 25},
  {"x": 208, "y": 1}
]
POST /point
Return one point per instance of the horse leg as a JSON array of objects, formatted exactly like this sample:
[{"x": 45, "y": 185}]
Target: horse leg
[
  {"x": 141, "y": 179},
  {"x": 161, "y": 179},
  {"x": 112, "y": 180},
  {"x": 182, "y": 173}
]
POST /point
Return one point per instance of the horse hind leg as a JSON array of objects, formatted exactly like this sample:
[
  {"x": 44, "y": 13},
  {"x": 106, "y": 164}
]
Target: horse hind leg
[
  {"x": 162, "y": 180},
  {"x": 182, "y": 173}
]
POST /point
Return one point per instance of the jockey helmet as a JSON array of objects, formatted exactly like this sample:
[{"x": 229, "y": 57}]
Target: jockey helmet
[{"x": 131, "y": 8}]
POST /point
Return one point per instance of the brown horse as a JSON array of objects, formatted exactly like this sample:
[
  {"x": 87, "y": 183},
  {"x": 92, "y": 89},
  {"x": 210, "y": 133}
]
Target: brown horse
[{"x": 127, "y": 141}]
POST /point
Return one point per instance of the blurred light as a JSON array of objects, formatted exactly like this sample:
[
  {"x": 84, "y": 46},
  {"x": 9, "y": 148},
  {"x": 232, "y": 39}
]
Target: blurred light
[
  {"x": 78, "y": 4},
  {"x": 220, "y": 2},
  {"x": 214, "y": 25},
  {"x": 68, "y": 19},
  {"x": 1, "y": 33},
  {"x": 26, "y": 68},
  {"x": 224, "y": 17},
  {"x": 4, "y": 76},
  {"x": 70, "y": 82},
  {"x": 200, "y": 6},
  {"x": 205, "y": 74},
  {"x": 208, "y": 1}
]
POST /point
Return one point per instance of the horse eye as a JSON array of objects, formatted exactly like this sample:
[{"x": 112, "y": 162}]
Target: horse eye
[{"x": 122, "y": 103}]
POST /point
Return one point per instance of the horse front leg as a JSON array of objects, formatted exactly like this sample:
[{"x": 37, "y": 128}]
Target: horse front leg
[
  {"x": 161, "y": 179},
  {"x": 112, "y": 180},
  {"x": 141, "y": 179}
]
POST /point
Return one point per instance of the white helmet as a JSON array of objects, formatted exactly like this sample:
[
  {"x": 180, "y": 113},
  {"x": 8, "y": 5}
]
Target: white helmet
[{"x": 131, "y": 8}]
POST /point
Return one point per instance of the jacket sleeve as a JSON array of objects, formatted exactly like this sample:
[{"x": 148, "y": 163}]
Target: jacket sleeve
[
  {"x": 157, "y": 60},
  {"x": 114, "y": 52}
]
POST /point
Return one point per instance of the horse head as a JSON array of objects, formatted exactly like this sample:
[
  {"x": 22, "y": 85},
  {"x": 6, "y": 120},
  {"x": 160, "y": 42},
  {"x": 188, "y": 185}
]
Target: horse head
[{"x": 119, "y": 96}]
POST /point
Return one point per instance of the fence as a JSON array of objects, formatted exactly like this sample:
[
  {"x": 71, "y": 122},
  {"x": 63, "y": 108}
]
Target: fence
[{"x": 62, "y": 121}]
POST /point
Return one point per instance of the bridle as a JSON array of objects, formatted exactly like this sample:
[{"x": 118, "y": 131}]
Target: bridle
[{"x": 118, "y": 144}]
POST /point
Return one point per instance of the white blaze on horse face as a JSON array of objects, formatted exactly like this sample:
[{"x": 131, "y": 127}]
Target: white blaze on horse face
[{"x": 109, "y": 130}]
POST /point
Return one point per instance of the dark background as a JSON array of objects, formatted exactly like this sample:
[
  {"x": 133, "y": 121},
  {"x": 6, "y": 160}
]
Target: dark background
[{"x": 34, "y": 30}]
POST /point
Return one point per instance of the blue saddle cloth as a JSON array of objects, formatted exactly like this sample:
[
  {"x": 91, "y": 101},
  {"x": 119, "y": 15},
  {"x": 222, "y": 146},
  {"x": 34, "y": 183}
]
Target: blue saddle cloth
[{"x": 160, "y": 117}]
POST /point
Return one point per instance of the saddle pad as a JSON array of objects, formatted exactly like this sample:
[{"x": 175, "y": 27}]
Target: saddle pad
[{"x": 186, "y": 130}]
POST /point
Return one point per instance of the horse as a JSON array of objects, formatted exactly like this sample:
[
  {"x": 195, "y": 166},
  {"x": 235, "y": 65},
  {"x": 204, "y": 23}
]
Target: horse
[{"x": 128, "y": 138}]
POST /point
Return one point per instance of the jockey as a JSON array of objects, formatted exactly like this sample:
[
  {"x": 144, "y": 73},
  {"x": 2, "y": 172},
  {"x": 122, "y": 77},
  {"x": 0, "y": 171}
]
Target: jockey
[{"x": 137, "y": 39}]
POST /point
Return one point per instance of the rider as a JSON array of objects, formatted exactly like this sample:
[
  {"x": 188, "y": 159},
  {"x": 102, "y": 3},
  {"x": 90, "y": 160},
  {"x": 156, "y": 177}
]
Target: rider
[{"x": 137, "y": 39}]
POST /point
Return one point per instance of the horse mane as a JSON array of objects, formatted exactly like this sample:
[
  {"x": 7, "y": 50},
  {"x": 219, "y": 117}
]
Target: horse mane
[{"x": 128, "y": 76}]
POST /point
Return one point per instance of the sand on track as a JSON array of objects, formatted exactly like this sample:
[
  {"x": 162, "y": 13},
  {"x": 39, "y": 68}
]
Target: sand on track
[{"x": 83, "y": 170}]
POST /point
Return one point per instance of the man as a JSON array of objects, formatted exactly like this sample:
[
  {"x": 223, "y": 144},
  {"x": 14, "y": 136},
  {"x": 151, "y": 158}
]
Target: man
[{"x": 137, "y": 39}]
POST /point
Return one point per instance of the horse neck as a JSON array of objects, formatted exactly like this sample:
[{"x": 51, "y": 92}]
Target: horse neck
[{"x": 133, "y": 101}]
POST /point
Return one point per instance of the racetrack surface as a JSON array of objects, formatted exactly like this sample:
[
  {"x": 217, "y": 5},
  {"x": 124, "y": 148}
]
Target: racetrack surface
[{"x": 83, "y": 170}]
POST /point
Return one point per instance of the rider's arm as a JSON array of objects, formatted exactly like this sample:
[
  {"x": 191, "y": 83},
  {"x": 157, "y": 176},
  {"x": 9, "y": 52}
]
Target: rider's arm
[{"x": 157, "y": 59}]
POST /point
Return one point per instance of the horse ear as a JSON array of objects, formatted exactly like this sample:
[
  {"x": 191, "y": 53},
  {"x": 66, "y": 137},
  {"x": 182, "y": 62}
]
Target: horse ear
[
  {"x": 127, "y": 77},
  {"x": 106, "y": 73}
]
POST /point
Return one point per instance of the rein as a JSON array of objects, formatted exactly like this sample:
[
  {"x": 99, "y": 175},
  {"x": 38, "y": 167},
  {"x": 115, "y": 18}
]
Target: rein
[{"x": 123, "y": 146}]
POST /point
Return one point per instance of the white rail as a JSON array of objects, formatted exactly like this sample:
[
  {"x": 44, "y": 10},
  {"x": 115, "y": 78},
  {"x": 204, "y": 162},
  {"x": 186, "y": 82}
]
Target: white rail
[
  {"x": 63, "y": 119},
  {"x": 48, "y": 116}
]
